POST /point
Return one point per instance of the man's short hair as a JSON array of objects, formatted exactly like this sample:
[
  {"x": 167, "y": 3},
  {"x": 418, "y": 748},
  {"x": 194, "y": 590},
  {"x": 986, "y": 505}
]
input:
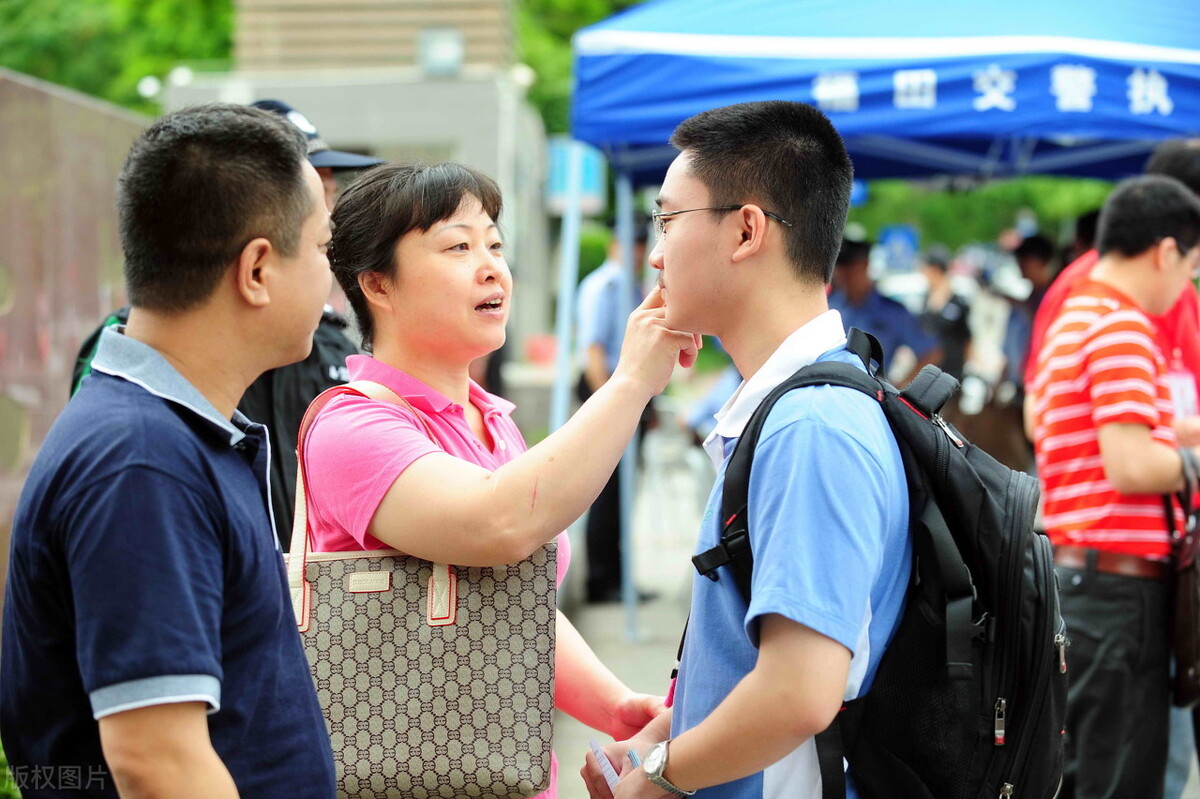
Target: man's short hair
[
  {"x": 1085, "y": 228},
  {"x": 784, "y": 156},
  {"x": 1179, "y": 159},
  {"x": 197, "y": 187},
  {"x": 853, "y": 252},
  {"x": 1143, "y": 211},
  {"x": 937, "y": 256},
  {"x": 1035, "y": 246}
]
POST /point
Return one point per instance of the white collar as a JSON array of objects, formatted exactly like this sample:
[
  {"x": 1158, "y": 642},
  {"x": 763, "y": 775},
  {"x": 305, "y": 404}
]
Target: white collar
[{"x": 809, "y": 342}]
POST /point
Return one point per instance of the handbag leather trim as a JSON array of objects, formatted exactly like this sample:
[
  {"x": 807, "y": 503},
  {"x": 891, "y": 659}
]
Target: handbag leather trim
[
  {"x": 369, "y": 582},
  {"x": 302, "y": 617},
  {"x": 323, "y": 557},
  {"x": 442, "y": 607}
]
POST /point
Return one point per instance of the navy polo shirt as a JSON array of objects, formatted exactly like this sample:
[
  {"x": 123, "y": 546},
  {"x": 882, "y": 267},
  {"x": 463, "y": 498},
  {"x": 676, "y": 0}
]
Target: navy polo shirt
[{"x": 144, "y": 570}]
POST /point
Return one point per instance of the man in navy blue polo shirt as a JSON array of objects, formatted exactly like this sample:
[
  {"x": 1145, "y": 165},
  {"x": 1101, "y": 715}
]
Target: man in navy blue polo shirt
[{"x": 149, "y": 646}]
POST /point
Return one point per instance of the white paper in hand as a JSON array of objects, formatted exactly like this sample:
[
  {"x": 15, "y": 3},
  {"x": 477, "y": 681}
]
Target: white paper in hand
[{"x": 606, "y": 768}]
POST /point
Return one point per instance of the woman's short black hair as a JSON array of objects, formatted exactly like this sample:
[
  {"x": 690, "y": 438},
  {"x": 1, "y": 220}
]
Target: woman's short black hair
[{"x": 385, "y": 203}]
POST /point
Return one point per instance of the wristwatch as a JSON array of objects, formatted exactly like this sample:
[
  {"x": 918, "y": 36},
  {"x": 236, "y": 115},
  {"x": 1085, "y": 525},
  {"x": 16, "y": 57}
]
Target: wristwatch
[{"x": 654, "y": 766}]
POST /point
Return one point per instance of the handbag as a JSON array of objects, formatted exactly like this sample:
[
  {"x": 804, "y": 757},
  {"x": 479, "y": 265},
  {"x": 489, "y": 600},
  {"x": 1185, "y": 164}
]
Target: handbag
[
  {"x": 435, "y": 680},
  {"x": 1185, "y": 587}
]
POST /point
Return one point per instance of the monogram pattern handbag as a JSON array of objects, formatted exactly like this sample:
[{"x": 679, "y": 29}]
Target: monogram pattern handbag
[{"x": 435, "y": 680}]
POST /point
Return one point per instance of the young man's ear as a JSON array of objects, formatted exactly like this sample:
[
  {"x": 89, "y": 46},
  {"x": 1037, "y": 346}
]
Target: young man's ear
[
  {"x": 255, "y": 259},
  {"x": 752, "y": 229}
]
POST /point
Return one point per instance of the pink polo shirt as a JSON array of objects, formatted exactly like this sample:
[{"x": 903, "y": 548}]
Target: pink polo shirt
[{"x": 357, "y": 447}]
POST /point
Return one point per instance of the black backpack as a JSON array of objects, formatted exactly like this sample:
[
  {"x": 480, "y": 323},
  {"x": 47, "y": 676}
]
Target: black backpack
[{"x": 969, "y": 699}]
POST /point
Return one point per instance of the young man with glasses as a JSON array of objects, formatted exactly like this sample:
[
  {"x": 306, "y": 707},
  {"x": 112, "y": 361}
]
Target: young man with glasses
[{"x": 752, "y": 212}]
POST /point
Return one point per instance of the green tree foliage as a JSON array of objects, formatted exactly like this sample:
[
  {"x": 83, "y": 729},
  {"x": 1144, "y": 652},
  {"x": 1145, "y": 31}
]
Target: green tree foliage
[
  {"x": 544, "y": 30},
  {"x": 8, "y": 789},
  {"x": 104, "y": 47},
  {"x": 979, "y": 214}
]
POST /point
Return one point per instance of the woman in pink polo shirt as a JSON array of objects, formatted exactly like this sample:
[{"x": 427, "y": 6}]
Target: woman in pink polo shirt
[{"x": 419, "y": 255}]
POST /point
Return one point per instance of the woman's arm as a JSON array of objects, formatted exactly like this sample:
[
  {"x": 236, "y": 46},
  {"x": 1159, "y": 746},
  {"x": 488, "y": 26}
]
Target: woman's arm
[
  {"x": 444, "y": 509},
  {"x": 587, "y": 690}
]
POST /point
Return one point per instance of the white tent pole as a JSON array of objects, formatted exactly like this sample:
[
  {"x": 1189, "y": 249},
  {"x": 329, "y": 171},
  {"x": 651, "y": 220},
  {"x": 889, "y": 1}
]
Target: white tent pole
[
  {"x": 628, "y": 465},
  {"x": 568, "y": 278},
  {"x": 564, "y": 327}
]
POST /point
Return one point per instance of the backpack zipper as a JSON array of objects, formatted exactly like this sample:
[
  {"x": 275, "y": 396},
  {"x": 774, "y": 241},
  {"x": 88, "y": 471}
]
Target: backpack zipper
[
  {"x": 1015, "y": 555},
  {"x": 1020, "y": 490},
  {"x": 940, "y": 422},
  {"x": 1042, "y": 562},
  {"x": 1060, "y": 636}
]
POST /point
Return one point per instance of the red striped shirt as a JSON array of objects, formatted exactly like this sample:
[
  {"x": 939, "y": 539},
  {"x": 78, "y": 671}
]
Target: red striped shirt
[{"x": 1101, "y": 364}]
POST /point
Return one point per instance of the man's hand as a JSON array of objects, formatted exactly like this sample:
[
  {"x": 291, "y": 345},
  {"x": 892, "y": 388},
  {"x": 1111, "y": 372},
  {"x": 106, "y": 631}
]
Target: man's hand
[
  {"x": 618, "y": 755},
  {"x": 635, "y": 786},
  {"x": 1187, "y": 431}
]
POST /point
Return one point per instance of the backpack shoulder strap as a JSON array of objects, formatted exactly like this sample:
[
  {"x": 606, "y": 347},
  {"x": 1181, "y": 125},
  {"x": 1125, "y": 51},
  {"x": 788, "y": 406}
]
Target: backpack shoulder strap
[
  {"x": 866, "y": 347},
  {"x": 734, "y": 547}
]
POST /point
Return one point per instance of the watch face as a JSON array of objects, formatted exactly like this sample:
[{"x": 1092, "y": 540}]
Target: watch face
[{"x": 654, "y": 759}]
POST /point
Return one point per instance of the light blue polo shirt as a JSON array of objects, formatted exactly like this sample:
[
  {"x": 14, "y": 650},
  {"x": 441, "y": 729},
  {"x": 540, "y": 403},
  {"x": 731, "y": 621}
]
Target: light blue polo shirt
[{"x": 828, "y": 509}]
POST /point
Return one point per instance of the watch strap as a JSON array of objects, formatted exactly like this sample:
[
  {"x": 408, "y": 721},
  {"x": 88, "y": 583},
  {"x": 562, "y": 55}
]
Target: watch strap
[{"x": 659, "y": 781}]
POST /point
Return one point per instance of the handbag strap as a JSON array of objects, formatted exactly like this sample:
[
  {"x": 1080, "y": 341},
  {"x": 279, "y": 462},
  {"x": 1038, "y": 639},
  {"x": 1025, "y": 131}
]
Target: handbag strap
[{"x": 301, "y": 545}]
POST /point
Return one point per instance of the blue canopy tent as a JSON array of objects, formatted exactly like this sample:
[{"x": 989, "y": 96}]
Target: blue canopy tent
[
  {"x": 941, "y": 86},
  {"x": 936, "y": 87}
]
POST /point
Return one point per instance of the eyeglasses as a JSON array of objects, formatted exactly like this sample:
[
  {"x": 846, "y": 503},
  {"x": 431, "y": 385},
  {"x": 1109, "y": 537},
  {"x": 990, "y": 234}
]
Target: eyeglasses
[{"x": 660, "y": 219}]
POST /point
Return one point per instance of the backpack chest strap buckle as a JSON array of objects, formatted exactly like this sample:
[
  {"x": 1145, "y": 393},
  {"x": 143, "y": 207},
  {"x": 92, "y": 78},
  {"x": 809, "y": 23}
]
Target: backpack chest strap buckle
[{"x": 733, "y": 543}]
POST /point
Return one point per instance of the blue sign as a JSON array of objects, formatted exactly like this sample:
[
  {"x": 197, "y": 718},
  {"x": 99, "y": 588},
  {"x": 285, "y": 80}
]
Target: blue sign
[
  {"x": 858, "y": 193},
  {"x": 595, "y": 170},
  {"x": 899, "y": 244}
]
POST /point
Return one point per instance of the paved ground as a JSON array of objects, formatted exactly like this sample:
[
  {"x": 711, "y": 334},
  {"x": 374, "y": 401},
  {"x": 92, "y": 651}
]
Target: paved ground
[{"x": 674, "y": 485}]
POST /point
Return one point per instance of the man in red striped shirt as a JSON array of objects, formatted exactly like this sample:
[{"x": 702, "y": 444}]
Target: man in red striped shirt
[
  {"x": 1106, "y": 452},
  {"x": 1178, "y": 330}
]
